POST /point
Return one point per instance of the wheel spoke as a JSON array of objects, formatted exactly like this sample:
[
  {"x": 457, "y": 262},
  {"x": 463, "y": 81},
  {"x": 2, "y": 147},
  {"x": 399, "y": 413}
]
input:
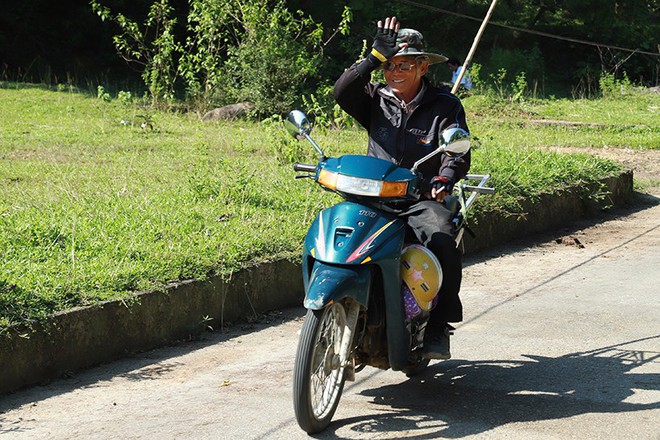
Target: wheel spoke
[
  {"x": 326, "y": 377},
  {"x": 319, "y": 374}
]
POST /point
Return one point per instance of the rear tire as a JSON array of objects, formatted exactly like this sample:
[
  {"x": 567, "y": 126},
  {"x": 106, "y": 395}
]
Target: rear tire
[
  {"x": 318, "y": 377},
  {"x": 416, "y": 368}
]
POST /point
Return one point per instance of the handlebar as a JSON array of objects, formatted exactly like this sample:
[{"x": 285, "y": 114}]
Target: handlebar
[
  {"x": 304, "y": 167},
  {"x": 480, "y": 190},
  {"x": 475, "y": 190},
  {"x": 480, "y": 187}
]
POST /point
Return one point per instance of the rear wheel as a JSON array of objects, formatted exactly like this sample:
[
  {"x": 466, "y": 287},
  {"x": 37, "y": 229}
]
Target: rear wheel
[
  {"x": 416, "y": 368},
  {"x": 318, "y": 377}
]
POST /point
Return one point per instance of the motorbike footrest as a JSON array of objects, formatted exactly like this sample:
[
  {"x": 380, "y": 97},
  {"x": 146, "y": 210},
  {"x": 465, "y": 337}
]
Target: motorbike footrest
[{"x": 349, "y": 372}]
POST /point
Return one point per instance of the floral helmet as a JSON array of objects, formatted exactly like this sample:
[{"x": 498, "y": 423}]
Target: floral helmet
[{"x": 422, "y": 277}]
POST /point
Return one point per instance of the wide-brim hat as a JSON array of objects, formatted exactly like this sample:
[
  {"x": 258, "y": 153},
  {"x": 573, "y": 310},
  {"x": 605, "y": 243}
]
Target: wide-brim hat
[{"x": 415, "y": 41}]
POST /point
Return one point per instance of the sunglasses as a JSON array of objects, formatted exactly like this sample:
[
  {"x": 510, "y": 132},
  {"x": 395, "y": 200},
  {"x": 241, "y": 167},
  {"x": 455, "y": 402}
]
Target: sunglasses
[{"x": 403, "y": 66}]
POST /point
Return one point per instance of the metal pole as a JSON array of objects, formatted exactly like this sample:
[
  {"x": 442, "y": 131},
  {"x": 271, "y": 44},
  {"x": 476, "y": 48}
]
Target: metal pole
[{"x": 474, "y": 47}]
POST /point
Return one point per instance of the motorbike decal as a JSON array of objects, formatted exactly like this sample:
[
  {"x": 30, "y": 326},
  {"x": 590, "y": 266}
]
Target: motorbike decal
[
  {"x": 320, "y": 242},
  {"x": 367, "y": 245}
]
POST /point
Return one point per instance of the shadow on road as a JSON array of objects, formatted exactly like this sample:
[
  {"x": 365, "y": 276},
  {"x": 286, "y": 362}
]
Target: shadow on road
[
  {"x": 143, "y": 366},
  {"x": 458, "y": 398}
]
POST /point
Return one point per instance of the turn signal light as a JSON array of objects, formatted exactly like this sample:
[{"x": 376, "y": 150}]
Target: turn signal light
[{"x": 394, "y": 189}]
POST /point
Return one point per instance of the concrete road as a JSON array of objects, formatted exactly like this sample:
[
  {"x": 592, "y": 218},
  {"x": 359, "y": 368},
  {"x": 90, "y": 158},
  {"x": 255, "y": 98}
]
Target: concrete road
[{"x": 561, "y": 340}]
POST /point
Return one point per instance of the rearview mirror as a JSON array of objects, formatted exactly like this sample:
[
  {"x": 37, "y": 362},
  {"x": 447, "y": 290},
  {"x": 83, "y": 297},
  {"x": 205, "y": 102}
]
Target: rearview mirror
[
  {"x": 456, "y": 141},
  {"x": 298, "y": 125},
  {"x": 453, "y": 142}
]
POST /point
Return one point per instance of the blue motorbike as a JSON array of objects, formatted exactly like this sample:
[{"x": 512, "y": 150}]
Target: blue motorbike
[{"x": 352, "y": 268}]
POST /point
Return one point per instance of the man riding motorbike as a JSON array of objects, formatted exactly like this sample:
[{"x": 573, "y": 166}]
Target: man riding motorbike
[{"x": 404, "y": 119}]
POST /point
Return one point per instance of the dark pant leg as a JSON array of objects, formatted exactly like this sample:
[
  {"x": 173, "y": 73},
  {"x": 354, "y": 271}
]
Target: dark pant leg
[{"x": 431, "y": 223}]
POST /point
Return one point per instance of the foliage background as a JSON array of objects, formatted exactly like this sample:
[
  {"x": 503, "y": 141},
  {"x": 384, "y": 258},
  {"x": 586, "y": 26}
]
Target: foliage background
[{"x": 65, "y": 42}]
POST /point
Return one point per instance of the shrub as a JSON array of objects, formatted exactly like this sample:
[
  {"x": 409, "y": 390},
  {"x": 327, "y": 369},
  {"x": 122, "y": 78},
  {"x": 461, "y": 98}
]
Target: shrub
[
  {"x": 518, "y": 61},
  {"x": 200, "y": 66},
  {"x": 234, "y": 51},
  {"x": 610, "y": 87},
  {"x": 150, "y": 45},
  {"x": 275, "y": 56}
]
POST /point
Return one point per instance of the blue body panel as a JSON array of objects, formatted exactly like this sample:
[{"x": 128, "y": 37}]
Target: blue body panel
[
  {"x": 346, "y": 246},
  {"x": 349, "y": 232},
  {"x": 368, "y": 167},
  {"x": 333, "y": 283}
]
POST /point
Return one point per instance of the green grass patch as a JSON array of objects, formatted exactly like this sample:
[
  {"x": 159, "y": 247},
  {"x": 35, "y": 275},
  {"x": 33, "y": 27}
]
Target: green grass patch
[
  {"x": 629, "y": 121},
  {"x": 100, "y": 199}
]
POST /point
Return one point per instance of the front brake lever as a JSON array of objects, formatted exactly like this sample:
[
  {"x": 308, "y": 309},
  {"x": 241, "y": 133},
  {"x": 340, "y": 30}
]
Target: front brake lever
[{"x": 304, "y": 176}]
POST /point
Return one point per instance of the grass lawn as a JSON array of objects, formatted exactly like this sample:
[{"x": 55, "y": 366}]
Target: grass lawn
[{"x": 93, "y": 206}]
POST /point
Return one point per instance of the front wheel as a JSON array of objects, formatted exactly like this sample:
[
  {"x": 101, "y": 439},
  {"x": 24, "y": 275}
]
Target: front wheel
[{"x": 318, "y": 376}]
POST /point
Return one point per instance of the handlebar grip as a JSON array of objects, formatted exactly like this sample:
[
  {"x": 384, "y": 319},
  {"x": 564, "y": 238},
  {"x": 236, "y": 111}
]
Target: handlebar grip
[{"x": 304, "y": 167}]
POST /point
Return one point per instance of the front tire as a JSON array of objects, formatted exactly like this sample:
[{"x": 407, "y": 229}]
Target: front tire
[{"x": 318, "y": 377}]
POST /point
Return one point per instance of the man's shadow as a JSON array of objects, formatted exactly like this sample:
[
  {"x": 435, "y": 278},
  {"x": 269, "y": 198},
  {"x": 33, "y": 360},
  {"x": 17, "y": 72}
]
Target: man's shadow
[{"x": 458, "y": 398}]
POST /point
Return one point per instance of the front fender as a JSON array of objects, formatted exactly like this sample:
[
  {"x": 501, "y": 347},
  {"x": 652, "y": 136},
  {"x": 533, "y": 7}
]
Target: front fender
[{"x": 328, "y": 283}]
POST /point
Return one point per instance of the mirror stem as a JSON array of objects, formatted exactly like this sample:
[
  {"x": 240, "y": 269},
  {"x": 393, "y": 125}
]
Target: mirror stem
[
  {"x": 318, "y": 149},
  {"x": 427, "y": 157}
]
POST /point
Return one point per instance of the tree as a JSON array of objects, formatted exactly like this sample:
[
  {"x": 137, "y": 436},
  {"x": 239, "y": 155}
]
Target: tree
[
  {"x": 151, "y": 45},
  {"x": 273, "y": 56},
  {"x": 236, "y": 50}
]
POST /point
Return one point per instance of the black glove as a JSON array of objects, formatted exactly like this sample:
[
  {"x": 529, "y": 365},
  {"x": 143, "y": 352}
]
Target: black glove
[
  {"x": 441, "y": 183},
  {"x": 383, "y": 48}
]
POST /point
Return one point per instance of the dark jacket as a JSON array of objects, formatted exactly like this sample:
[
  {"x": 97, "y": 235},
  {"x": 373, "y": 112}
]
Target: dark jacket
[{"x": 402, "y": 136}]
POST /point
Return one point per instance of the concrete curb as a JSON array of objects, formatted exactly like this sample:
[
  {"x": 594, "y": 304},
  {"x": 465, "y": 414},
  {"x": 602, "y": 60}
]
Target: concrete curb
[
  {"x": 87, "y": 336},
  {"x": 550, "y": 211}
]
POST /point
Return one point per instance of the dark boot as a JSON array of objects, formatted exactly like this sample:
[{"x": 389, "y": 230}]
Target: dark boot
[{"x": 436, "y": 342}]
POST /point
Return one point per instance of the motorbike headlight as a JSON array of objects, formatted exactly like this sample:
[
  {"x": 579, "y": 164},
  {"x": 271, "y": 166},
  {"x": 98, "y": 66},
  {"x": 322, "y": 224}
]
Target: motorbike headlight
[{"x": 360, "y": 186}]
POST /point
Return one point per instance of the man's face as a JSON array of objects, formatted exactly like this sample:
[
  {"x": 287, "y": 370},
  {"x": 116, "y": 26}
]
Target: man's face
[{"x": 405, "y": 83}]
